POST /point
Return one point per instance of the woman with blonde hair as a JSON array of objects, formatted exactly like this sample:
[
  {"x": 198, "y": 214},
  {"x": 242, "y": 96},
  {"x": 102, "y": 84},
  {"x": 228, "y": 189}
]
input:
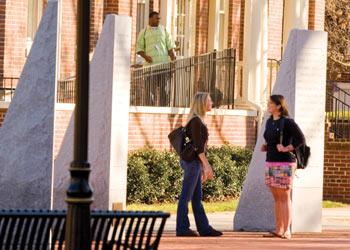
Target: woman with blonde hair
[
  {"x": 282, "y": 136},
  {"x": 196, "y": 171}
]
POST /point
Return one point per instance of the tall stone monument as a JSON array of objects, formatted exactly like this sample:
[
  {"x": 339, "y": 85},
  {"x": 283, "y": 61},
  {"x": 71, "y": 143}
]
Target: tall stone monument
[
  {"x": 26, "y": 144},
  {"x": 108, "y": 119},
  {"x": 302, "y": 80}
]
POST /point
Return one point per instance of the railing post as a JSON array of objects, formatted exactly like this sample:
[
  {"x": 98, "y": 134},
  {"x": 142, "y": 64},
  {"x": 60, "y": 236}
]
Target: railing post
[
  {"x": 79, "y": 193},
  {"x": 213, "y": 75}
]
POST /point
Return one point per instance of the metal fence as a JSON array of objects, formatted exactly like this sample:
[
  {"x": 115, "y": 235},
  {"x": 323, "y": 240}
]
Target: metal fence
[
  {"x": 66, "y": 90},
  {"x": 7, "y": 88},
  {"x": 338, "y": 111},
  {"x": 174, "y": 84}
]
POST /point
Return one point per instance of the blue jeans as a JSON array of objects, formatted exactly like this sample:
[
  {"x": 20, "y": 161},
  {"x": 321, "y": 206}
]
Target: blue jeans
[{"x": 191, "y": 191}]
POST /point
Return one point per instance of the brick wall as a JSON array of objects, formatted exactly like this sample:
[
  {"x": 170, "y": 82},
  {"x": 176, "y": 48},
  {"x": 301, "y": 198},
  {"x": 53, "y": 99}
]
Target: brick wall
[
  {"x": 202, "y": 21},
  {"x": 275, "y": 23},
  {"x": 147, "y": 129},
  {"x": 337, "y": 171},
  {"x": 13, "y": 34},
  {"x": 68, "y": 39},
  {"x": 96, "y": 21},
  {"x": 2, "y": 116},
  {"x": 153, "y": 129}
]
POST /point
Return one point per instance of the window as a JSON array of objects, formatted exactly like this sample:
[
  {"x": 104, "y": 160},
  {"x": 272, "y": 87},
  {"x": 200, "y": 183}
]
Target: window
[
  {"x": 142, "y": 14},
  {"x": 222, "y": 25},
  {"x": 181, "y": 28},
  {"x": 218, "y": 24},
  {"x": 35, "y": 9},
  {"x": 185, "y": 27}
]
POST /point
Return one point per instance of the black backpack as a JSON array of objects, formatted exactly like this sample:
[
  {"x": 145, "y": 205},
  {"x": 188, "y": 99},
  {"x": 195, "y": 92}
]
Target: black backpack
[{"x": 302, "y": 153}]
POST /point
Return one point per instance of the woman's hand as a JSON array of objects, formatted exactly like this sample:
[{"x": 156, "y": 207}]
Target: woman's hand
[
  {"x": 283, "y": 149},
  {"x": 207, "y": 172},
  {"x": 263, "y": 148}
]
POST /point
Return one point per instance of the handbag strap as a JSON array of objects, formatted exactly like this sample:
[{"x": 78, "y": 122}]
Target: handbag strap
[{"x": 281, "y": 129}]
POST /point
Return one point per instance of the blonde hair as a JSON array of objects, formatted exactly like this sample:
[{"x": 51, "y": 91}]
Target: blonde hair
[{"x": 198, "y": 105}]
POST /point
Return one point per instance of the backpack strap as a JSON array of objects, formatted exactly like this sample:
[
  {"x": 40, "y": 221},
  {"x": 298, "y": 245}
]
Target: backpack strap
[{"x": 282, "y": 128}]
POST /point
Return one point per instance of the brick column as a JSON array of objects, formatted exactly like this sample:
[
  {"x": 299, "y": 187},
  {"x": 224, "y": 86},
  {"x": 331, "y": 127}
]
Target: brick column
[
  {"x": 316, "y": 14},
  {"x": 202, "y": 21},
  {"x": 235, "y": 30}
]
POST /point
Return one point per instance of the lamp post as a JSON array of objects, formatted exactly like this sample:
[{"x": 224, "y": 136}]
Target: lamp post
[{"x": 79, "y": 193}]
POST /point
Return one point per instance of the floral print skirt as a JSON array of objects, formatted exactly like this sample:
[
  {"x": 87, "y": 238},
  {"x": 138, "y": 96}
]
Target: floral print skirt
[{"x": 279, "y": 174}]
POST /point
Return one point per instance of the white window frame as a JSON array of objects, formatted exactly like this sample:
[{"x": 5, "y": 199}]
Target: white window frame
[
  {"x": 189, "y": 25},
  {"x": 146, "y": 13},
  {"x": 35, "y": 12},
  {"x": 217, "y": 40}
]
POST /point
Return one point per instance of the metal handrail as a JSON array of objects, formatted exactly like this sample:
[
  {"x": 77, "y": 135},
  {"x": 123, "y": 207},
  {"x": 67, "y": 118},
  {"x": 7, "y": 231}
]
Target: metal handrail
[{"x": 338, "y": 112}]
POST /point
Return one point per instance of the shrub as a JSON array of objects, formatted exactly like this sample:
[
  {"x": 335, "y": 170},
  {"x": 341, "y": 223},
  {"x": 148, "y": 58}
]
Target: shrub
[{"x": 156, "y": 176}]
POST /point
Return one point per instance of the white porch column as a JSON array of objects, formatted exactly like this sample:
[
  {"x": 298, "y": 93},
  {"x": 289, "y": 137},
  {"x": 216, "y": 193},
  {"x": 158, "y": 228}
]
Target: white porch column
[
  {"x": 214, "y": 25},
  {"x": 295, "y": 16},
  {"x": 166, "y": 14},
  {"x": 255, "y": 52}
]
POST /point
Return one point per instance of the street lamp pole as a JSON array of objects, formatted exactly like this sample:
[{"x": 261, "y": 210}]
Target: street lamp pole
[{"x": 79, "y": 193}]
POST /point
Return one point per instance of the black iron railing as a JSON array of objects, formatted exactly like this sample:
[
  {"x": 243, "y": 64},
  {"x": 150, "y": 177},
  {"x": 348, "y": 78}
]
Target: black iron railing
[
  {"x": 66, "y": 90},
  {"x": 7, "y": 88},
  {"x": 174, "y": 84},
  {"x": 338, "y": 111}
]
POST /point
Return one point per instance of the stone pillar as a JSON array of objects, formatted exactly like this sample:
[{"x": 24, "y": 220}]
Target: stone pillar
[
  {"x": 302, "y": 80},
  {"x": 295, "y": 16},
  {"x": 255, "y": 52},
  {"x": 108, "y": 119},
  {"x": 26, "y": 145}
]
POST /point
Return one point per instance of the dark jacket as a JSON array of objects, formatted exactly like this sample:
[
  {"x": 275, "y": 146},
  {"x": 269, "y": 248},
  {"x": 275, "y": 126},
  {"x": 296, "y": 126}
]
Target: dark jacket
[
  {"x": 291, "y": 135},
  {"x": 197, "y": 131}
]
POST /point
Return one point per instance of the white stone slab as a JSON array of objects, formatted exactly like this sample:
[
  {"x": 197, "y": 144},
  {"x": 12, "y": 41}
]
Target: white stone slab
[
  {"x": 307, "y": 217},
  {"x": 26, "y": 144},
  {"x": 108, "y": 119},
  {"x": 302, "y": 80}
]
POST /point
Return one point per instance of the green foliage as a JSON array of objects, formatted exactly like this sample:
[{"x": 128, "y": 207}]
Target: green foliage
[{"x": 156, "y": 176}]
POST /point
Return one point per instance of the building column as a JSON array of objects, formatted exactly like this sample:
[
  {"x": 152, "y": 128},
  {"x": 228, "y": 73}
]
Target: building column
[
  {"x": 295, "y": 16},
  {"x": 255, "y": 52},
  {"x": 166, "y": 14}
]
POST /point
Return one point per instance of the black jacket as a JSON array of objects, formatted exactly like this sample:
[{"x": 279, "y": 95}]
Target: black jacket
[{"x": 291, "y": 135}]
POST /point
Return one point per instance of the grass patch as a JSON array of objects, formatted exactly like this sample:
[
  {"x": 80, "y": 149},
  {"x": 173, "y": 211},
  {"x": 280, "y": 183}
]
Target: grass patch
[
  {"x": 333, "y": 204},
  {"x": 211, "y": 207}
]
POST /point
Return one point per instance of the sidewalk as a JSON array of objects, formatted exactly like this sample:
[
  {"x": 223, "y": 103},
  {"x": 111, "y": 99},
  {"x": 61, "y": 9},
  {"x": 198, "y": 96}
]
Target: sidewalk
[
  {"x": 332, "y": 219},
  {"x": 335, "y": 235}
]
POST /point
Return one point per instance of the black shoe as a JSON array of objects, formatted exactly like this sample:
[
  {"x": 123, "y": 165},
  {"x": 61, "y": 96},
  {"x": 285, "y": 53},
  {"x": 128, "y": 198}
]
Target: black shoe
[
  {"x": 189, "y": 233},
  {"x": 212, "y": 233}
]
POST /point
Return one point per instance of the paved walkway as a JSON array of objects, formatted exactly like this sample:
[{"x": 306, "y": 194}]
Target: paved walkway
[
  {"x": 337, "y": 240},
  {"x": 335, "y": 235}
]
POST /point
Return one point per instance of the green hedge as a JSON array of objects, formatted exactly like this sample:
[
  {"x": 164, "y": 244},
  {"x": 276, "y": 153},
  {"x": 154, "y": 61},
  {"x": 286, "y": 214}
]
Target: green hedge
[{"x": 156, "y": 176}]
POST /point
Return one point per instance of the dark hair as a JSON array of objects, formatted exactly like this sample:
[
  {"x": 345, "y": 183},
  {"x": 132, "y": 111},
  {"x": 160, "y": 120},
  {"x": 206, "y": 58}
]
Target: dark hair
[
  {"x": 280, "y": 100},
  {"x": 153, "y": 13}
]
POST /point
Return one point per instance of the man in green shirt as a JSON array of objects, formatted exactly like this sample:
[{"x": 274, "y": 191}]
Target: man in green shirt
[{"x": 155, "y": 45}]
